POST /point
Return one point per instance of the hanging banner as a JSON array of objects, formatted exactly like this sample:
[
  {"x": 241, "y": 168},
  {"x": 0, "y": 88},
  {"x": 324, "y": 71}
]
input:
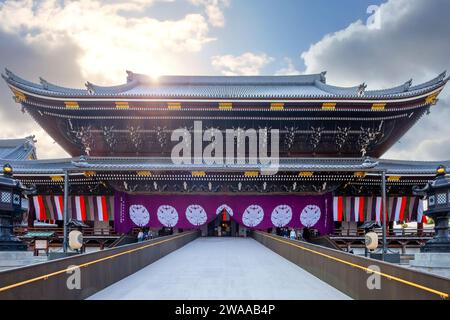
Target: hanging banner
[
  {"x": 362, "y": 209},
  {"x": 82, "y": 208},
  {"x": 190, "y": 212}
]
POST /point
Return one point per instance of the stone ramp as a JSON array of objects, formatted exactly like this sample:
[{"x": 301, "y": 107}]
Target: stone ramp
[{"x": 221, "y": 268}]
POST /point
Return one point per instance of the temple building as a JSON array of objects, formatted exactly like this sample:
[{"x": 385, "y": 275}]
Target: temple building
[
  {"x": 18, "y": 149},
  {"x": 121, "y": 173}
]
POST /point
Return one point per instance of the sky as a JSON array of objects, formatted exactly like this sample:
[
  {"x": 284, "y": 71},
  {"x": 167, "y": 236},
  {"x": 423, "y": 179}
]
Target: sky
[{"x": 71, "y": 42}]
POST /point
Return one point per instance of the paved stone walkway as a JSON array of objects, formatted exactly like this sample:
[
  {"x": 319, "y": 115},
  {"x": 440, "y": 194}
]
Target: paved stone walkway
[{"x": 221, "y": 268}]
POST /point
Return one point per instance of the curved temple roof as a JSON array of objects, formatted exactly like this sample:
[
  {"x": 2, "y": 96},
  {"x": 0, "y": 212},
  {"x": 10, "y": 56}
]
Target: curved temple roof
[
  {"x": 80, "y": 164},
  {"x": 17, "y": 149},
  {"x": 226, "y": 87}
]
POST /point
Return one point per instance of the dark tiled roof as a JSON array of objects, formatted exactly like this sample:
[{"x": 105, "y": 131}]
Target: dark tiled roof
[
  {"x": 58, "y": 166},
  {"x": 227, "y": 87},
  {"x": 17, "y": 149}
]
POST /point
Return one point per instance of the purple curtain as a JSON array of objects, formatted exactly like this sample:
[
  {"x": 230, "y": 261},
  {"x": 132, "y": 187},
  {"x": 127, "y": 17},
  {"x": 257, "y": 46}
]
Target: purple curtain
[{"x": 192, "y": 211}]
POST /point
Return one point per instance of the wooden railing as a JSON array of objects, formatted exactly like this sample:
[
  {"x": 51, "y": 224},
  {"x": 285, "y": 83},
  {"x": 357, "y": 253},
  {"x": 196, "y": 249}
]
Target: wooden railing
[
  {"x": 351, "y": 274},
  {"x": 98, "y": 270},
  {"x": 20, "y": 231},
  {"x": 407, "y": 232}
]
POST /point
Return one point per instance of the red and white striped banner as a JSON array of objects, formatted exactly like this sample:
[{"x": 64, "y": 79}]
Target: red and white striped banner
[
  {"x": 337, "y": 208},
  {"x": 83, "y": 208},
  {"x": 361, "y": 209},
  {"x": 102, "y": 209},
  {"x": 420, "y": 216},
  {"x": 379, "y": 209},
  {"x": 39, "y": 207},
  {"x": 80, "y": 208},
  {"x": 59, "y": 205}
]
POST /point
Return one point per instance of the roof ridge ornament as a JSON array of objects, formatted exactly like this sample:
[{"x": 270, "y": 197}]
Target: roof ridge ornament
[
  {"x": 80, "y": 162},
  {"x": 130, "y": 75},
  {"x": 8, "y": 72},
  {"x": 323, "y": 78},
  {"x": 361, "y": 89},
  {"x": 44, "y": 83},
  {"x": 369, "y": 163},
  {"x": 407, "y": 85},
  {"x": 90, "y": 87},
  {"x": 441, "y": 76},
  {"x": 9, "y": 75}
]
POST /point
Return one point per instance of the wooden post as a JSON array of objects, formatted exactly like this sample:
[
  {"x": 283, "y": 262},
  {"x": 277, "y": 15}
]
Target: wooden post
[
  {"x": 66, "y": 208},
  {"x": 419, "y": 228},
  {"x": 384, "y": 211}
]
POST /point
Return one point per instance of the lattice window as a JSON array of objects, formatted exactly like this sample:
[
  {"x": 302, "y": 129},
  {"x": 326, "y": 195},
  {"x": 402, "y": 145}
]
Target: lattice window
[
  {"x": 6, "y": 197},
  {"x": 441, "y": 198},
  {"x": 16, "y": 199},
  {"x": 431, "y": 201}
]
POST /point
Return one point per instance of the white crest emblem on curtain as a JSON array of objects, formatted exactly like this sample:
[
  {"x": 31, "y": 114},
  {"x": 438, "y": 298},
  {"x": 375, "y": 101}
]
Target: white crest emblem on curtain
[
  {"x": 310, "y": 215},
  {"x": 167, "y": 215},
  {"x": 227, "y": 209},
  {"x": 139, "y": 215},
  {"x": 196, "y": 215},
  {"x": 253, "y": 215},
  {"x": 281, "y": 215}
]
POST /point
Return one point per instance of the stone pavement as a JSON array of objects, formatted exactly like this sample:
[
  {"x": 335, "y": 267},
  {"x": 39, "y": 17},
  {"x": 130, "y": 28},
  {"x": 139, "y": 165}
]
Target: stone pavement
[{"x": 221, "y": 268}]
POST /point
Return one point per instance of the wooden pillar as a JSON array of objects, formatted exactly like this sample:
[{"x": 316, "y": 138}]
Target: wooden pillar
[
  {"x": 384, "y": 213},
  {"x": 391, "y": 227},
  {"x": 403, "y": 244},
  {"x": 66, "y": 209},
  {"x": 419, "y": 228},
  {"x": 31, "y": 214}
]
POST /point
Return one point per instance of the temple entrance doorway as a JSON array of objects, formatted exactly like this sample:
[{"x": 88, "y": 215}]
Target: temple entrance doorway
[{"x": 223, "y": 226}]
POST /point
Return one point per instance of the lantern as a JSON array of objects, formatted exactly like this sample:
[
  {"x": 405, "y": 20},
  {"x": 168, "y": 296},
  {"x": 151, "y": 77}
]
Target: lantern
[
  {"x": 371, "y": 240},
  {"x": 75, "y": 239},
  {"x": 437, "y": 194},
  {"x": 11, "y": 191}
]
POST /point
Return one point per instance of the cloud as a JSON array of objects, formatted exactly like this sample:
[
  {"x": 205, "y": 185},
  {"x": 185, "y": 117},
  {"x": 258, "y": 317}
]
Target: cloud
[
  {"x": 429, "y": 139},
  {"x": 412, "y": 41},
  {"x": 289, "y": 70},
  {"x": 246, "y": 64},
  {"x": 213, "y": 10},
  {"x": 26, "y": 60},
  {"x": 109, "y": 40},
  {"x": 69, "y": 42}
]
